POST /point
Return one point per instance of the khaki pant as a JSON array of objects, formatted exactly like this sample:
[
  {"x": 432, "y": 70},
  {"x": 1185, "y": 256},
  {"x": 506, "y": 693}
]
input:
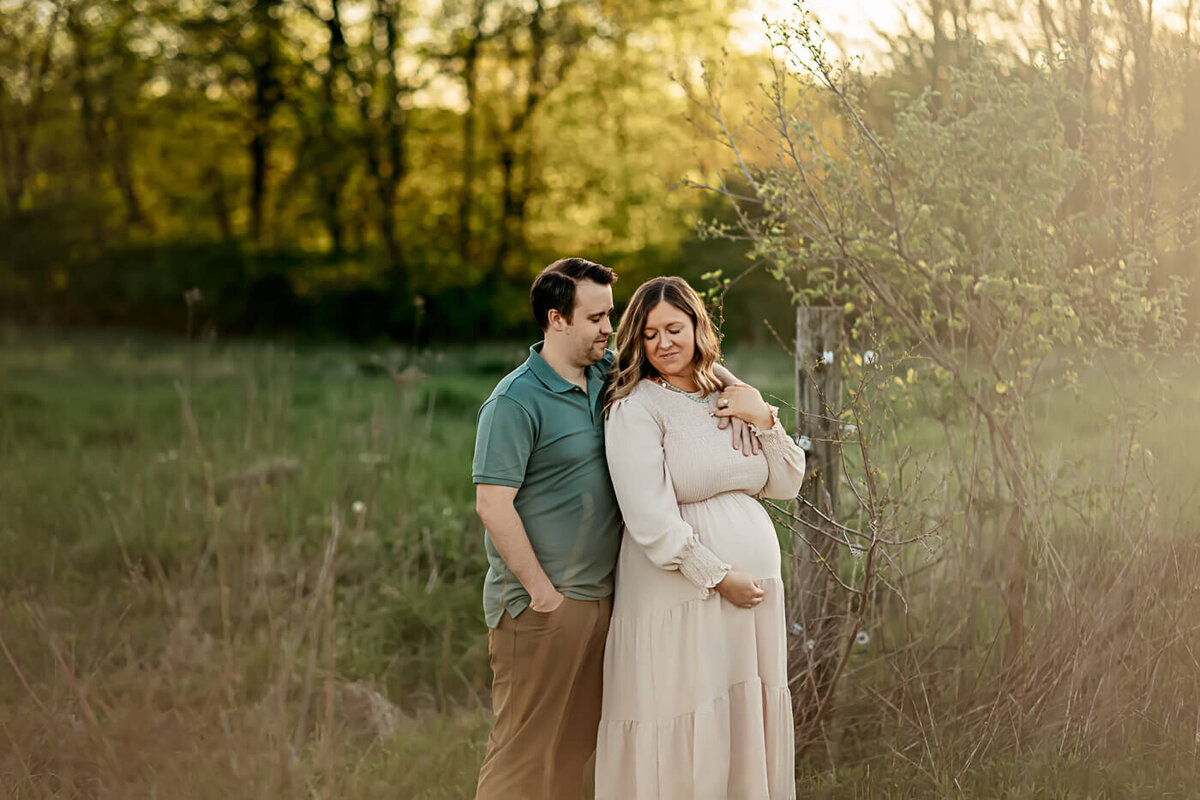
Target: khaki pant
[{"x": 547, "y": 678}]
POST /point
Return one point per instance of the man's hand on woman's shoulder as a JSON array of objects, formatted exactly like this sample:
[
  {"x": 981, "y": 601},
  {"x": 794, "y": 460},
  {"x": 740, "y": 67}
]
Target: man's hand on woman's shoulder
[
  {"x": 743, "y": 401},
  {"x": 743, "y": 438}
]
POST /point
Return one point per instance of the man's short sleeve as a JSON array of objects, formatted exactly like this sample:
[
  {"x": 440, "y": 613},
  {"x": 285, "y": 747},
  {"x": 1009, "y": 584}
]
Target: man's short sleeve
[{"x": 503, "y": 442}]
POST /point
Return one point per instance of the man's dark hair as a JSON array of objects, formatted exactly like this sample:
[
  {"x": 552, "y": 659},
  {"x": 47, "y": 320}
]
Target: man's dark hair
[{"x": 554, "y": 288}]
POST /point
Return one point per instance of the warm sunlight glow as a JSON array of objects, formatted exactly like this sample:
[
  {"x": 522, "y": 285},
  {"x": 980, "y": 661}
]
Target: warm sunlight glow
[{"x": 853, "y": 26}]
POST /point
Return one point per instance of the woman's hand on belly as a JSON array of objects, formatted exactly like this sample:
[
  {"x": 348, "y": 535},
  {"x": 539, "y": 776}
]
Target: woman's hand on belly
[{"x": 740, "y": 588}]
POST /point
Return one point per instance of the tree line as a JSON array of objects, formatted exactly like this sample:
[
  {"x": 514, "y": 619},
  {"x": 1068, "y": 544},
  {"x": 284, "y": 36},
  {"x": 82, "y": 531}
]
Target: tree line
[
  {"x": 379, "y": 168},
  {"x": 352, "y": 165}
]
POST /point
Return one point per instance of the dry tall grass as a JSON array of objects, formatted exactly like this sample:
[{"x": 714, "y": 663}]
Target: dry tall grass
[
  {"x": 179, "y": 616},
  {"x": 320, "y": 636},
  {"x": 1102, "y": 695}
]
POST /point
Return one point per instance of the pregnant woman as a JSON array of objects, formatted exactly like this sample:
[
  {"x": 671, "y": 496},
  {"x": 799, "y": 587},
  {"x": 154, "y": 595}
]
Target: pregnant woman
[{"x": 696, "y": 703}]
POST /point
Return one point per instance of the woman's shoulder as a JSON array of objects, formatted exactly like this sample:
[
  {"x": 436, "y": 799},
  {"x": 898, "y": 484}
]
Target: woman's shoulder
[
  {"x": 640, "y": 399},
  {"x": 642, "y": 389}
]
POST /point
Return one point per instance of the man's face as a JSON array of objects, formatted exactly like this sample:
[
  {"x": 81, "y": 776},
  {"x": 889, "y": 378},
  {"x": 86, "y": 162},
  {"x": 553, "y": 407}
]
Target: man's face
[{"x": 589, "y": 328}]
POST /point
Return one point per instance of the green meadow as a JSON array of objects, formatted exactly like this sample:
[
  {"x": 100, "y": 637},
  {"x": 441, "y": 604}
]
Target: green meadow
[{"x": 246, "y": 570}]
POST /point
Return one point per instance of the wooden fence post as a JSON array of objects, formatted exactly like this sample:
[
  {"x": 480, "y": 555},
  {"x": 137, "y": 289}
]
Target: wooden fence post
[{"x": 812, "y": 618}]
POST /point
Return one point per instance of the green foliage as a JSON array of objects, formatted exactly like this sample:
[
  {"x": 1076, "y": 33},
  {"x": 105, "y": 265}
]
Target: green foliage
[
  {"x": 954, "y": 226},
  {"x": 326, "y": 167},
  {"x": 954, "y": 234}
]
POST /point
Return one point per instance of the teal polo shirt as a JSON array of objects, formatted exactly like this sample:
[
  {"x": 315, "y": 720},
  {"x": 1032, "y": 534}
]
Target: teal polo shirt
[{"x": 544, "y": 435}]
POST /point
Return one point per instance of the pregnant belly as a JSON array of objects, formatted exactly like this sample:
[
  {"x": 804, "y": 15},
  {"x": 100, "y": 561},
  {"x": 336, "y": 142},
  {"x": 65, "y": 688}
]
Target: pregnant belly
[
  {"x": 732, "y": 525},
  {"x": 737, "y": 528}
]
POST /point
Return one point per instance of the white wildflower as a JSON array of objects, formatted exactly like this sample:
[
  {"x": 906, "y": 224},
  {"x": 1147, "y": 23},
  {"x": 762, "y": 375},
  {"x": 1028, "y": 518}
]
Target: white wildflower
[{"x": 359, "y": 507}]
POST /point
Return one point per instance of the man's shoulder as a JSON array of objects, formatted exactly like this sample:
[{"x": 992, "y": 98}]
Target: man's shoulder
[{"x": 519, "y": 386}]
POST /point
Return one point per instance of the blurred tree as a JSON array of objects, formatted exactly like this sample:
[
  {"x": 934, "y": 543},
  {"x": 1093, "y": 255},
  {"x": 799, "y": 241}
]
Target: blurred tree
[
  {"x": 537, "y": 46},
  {"x": 260, "y": 35},
  {"x": 1127, "y": 60},
  {"x": 107, "y": 83},
  {"x": 28, "y": 38},
  {"x": 323, "y": 160},
  {"x": 419, "y": 150},
  {"x": 470, "y": 32},
  {"x": 381, "y": 103}
]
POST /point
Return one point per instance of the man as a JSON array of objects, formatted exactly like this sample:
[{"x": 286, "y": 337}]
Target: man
[{"x": 552, "y": 536}]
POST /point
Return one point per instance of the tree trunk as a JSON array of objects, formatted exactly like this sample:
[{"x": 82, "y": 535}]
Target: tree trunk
[
  {"x": 813, "y": 650},
  {"x": 516, "y": 138},
  {"x": 510, "y": 224},
  {"x": 331, "y": 178},
  {"x": 385, "y": 145},
  {"x": 122, "y": 170},
  {"x": 267, "y": 96},
  {"x": 94, "y": 124},
  {"x": 8, "y": 160},
  {"x": 92, "y": 131},
  {"x": 16, "y": 150},
  {"x": 470, "y": 65},
  {"x": 213, "y": 182}
]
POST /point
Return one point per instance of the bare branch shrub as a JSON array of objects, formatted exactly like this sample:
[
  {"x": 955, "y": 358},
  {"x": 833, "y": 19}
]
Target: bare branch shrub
[{"x": 945, "y": 232}]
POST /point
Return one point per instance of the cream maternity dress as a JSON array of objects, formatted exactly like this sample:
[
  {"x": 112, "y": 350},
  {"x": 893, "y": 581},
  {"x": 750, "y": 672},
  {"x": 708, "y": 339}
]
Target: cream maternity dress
[{"x": 696, "y": 704}]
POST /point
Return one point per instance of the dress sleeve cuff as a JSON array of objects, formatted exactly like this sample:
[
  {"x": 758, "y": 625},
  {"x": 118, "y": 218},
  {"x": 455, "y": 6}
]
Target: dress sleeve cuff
[
  {"x": 776, "y": 428},
  {"x": 701, "y": 566}
]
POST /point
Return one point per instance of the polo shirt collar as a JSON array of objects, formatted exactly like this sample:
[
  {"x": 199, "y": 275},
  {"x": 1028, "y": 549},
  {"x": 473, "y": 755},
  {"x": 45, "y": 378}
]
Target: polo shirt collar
[
  {"x": 555, "y": 382},
  {"x": 545, "y": 373},
  {"x": 596, "y": 377}
]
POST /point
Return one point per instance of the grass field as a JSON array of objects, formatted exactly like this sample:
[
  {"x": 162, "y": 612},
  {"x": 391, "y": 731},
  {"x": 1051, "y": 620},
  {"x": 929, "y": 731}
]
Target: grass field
[{"x": 245, "y": 570}]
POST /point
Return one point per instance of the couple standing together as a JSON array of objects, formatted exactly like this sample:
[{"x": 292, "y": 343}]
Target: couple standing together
[{"x": 678, "y": 681}]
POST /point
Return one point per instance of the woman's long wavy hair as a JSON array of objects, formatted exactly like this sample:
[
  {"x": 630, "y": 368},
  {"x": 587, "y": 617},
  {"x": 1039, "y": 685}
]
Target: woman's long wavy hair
[{"x": 632, "y": 363}]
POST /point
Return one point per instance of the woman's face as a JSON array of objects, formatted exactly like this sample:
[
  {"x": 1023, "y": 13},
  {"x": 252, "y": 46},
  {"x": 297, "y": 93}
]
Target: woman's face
[{"x": 669, "y": 339}]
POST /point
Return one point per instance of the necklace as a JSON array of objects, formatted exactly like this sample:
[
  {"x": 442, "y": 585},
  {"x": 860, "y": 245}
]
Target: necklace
[{"x": 695, "y": 397}]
